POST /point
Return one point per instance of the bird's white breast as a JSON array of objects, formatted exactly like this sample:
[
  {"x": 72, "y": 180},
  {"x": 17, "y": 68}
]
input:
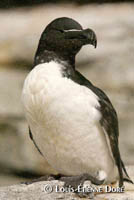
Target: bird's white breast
[{"x": 64, "y": 121}]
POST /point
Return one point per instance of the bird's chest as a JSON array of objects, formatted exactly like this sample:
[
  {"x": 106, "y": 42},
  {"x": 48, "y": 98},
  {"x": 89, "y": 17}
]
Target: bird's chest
[{"x": 55, "y": 102}]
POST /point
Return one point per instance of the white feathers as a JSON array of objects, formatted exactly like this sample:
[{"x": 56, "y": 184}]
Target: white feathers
[
  {"x": 101, "y": 175},
  {"x": 65, "y": 123}
]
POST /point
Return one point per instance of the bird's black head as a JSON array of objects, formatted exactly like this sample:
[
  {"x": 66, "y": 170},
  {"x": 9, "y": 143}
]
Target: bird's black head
[{"x": 63, "y": 38}]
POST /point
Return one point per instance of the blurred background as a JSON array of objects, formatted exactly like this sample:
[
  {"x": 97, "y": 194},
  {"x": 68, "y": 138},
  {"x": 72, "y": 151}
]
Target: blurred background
[{"x": 110, "y": 67}]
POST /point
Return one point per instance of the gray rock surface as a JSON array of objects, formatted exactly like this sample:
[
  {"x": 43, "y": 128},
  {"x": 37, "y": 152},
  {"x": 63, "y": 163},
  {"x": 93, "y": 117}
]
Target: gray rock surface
[
  {"x": 52, "y": 190},
  {"x": 110, "y": 67}
]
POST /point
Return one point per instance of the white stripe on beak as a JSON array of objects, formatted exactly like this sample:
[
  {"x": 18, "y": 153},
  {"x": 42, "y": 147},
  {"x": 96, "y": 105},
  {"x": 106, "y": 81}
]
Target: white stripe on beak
[{"x": 72, "y": 30}]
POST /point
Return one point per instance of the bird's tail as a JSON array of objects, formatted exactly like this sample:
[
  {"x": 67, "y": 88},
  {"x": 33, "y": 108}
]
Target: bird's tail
[{"x": 125, "y": 174}]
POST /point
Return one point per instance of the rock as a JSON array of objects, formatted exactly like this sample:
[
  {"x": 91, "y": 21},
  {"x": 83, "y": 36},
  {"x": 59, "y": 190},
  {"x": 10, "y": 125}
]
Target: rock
[
  {"x": 54, "y": 190},
  {"x": 34, "y": 191}
]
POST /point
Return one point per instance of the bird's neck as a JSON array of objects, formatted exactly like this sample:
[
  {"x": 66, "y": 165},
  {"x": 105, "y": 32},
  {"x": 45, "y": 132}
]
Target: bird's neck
[{"x": 47, "y": 56}]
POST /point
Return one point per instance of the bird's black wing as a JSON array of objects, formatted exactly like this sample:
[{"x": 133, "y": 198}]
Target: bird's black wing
[
  {"x": 109, "y": 122},
  {"x": 31, "y": 137}
]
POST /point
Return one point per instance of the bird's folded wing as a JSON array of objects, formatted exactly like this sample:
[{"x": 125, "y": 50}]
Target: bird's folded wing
[{"x": 109, "y": 123}]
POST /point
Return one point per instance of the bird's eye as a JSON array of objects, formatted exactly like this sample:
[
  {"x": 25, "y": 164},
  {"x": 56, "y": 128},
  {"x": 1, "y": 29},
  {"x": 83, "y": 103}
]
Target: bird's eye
[{"x": 61, "y": 31}]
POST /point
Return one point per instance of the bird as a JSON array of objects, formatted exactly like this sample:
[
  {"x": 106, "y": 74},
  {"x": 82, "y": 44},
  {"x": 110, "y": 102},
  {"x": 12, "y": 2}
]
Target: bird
[{"x": 72, "y": 123}]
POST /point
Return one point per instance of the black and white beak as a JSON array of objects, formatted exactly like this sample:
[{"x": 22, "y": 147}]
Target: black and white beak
[{"x": 87, "y": 36}]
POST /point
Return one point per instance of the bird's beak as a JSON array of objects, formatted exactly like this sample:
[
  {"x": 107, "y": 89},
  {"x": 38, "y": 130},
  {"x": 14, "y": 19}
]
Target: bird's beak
[
  {"x": 86, "y": 36},
  {"x": 90, "y": 37}
]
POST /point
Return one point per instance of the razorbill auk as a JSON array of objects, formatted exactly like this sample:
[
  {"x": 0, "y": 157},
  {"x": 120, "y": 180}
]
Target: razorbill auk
[{"x": 71, "y": 122}]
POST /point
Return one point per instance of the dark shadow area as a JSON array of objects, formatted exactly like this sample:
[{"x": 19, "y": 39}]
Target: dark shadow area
[
  {"x": 17, "y": 3},
  {"x": 12, "y": 171},
  {"x": 19, "y": 64}
]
